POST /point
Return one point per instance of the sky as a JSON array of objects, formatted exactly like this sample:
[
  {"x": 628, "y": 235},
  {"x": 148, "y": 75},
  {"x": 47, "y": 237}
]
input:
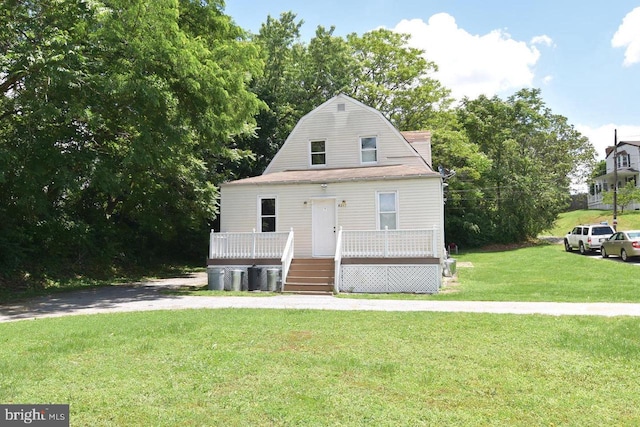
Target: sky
[{"x": 584, "y": 55}]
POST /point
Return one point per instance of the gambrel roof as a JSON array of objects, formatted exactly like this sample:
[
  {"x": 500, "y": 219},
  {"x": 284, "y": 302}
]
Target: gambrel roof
[{"x": 609, "y": 150}]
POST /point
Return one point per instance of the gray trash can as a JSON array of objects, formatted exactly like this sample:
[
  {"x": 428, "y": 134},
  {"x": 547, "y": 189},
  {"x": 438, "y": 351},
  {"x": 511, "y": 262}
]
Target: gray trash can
[
  {"x": 272, "y": 279},
  {"x": 236, "y": 280},
  {"x": 254, "y": 278},
  {"x": 215, "y": 278},
  {"x": 450, "y": 267}
]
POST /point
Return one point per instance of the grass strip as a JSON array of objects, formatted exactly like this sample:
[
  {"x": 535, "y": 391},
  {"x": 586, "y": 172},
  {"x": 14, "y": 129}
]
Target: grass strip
[{"x": 317, "y": 368}]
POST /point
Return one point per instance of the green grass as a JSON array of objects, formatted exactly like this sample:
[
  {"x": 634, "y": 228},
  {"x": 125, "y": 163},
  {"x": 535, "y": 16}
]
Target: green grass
[
  {"x": 567, "y": 220},
  {"x": 320, "y": 368},
  {"x": 545, "y": 273}
]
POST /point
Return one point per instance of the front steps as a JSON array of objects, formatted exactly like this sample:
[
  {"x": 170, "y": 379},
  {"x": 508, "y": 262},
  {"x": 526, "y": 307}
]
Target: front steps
[{"x": 310, "y": 276}]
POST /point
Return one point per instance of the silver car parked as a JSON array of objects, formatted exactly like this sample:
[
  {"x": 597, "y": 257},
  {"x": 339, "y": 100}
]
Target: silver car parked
[{"x": 625, "y": 244}]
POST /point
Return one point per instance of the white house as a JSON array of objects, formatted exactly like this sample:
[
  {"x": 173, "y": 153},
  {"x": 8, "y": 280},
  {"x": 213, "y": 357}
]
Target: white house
[
  {"x": 628, "y": 167},
  {"x": 349, "y": 203}
]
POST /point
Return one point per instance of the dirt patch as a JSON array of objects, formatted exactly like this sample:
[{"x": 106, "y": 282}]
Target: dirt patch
[
  {"x": 450, "y": 285},
  {"x": 464, "y": 264}
]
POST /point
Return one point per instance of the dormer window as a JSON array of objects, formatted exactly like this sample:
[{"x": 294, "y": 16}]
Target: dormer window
[
  {"x": 623, "y": 160},
  {"x": 368, "y": 149},
  {"x": 318, "y": 153}
]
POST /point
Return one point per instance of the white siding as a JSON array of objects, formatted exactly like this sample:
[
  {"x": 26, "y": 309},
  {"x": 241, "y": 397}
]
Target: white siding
[
  {"x": 634, "y": 156},
  {"x": 342, "y": 131},
  {"x": 420, "y": 206}
]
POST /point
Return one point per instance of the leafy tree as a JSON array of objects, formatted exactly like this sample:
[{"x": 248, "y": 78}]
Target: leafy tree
[
  {"x": 394, "y": 79},
  {"x": 114, "y": 116},
  {"x": 599, "y": 169},
  {"x": 626, "y": 196},
  {"x": 534, "y": 154}
]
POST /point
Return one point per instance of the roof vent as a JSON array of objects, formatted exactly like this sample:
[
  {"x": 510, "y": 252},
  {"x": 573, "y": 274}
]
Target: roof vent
[{"x": 340, "y": 107}]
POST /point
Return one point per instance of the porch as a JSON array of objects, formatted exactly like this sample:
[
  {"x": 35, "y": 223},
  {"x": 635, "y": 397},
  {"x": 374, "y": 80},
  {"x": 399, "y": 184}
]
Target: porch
[{"x": 371, "y": 261}]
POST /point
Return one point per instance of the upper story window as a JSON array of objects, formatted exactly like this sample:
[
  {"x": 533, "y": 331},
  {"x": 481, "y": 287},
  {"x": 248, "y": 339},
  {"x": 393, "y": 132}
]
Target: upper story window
[
  {"x": 368, "y": 149},
  {"x": 318, "y": 153},
  {"x": 624, "y": 160},
  {"x": 267, "y": 214}
]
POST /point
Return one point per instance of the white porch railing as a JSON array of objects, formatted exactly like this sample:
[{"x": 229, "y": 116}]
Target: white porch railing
[
  {"x": 247, "y": 245},
  {"x": 287, "y": 257},
  {"x": 389, "y": 243}
]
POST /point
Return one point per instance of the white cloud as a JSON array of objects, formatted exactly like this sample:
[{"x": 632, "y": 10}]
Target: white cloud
[
  {"x": 603, "y": 136},
  {"x": 471, "y": 64},
  {"x": 628, "y": 37},
  {"x": 543, "y": 40}
]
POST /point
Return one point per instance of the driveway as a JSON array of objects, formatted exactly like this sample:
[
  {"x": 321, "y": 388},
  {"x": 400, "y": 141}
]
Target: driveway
[{"x": 148, "y": 296}]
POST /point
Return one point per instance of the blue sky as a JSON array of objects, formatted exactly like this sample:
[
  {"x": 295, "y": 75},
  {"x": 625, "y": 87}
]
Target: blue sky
[{"x": 583, "y": 54}]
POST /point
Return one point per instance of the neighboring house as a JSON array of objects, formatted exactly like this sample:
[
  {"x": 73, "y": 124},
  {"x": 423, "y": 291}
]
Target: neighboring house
[
  {"x": 349, "y": 203},
  {"x": 627, "y": 162}
]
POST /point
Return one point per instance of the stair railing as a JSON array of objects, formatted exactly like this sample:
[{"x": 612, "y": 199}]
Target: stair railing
[
  {"x": 287, "y": 257},
  {"x": 337, "y": 260}
]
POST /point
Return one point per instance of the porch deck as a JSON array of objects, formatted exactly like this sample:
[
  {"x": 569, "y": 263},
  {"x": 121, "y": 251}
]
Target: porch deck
[{"x": 364, "y": 261}]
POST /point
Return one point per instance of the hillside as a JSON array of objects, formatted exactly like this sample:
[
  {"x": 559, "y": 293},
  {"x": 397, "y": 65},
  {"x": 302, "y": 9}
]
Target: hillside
[{"x": 567, "y": 220}]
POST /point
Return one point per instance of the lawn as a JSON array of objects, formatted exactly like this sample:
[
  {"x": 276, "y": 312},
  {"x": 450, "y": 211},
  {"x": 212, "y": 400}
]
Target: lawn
[
  {"x": 545, "y": 273},
  {"x": 320, "y": 368},
  {"x": 538, "y": 273},
  {"x": 628, "y": 220}
]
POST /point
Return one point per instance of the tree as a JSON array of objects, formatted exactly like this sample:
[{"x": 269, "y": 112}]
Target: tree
[
  {"x": 626, "y": 196},
  {"x": 114, "y": 116},
  {"x": 534, "y": 153},
  {"x": 395, "y": 79},
  {"x": 599, "y": 169}
]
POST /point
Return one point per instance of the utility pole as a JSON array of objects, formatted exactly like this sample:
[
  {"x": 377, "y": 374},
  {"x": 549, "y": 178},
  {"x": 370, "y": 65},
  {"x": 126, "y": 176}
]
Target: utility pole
[{"x": 615, "y": 179}]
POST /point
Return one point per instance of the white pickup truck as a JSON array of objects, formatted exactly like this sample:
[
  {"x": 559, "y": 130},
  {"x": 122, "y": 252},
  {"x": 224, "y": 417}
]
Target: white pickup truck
[{"x": 587, "y": 238}]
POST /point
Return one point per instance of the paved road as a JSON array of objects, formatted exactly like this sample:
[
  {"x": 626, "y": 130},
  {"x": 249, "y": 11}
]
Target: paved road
[{"x": 148, "y": 296}]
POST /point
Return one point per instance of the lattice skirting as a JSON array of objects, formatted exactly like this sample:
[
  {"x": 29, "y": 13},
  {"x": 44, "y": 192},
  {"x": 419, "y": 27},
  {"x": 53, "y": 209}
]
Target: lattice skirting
[{"x": 390, "y": 278}]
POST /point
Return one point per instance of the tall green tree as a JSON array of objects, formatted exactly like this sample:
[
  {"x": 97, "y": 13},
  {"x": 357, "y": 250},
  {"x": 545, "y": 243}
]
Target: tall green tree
[
  {"x": 115, "y": 115},
  {"x": 534, "y": 155},
  {"x": 395, "y": 79}
]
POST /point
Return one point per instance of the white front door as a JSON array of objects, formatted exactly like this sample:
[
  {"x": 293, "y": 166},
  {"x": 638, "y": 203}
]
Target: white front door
[{"x": 324, "y": 227}]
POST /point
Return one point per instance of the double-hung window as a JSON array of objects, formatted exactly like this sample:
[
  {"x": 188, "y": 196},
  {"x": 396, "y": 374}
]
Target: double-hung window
[
  {"x": 387, "y": 210},
  {"x": 623, "y": 160},
  {"x": 368, "y": 149},
  {"x": 267, "y": 214},
  {"x": 318, "y": 153}
]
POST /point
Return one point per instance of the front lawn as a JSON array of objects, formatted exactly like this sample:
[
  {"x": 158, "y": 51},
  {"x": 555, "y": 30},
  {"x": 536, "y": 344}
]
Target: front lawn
[
  {"x": 545, "y": 273},
  {"x": 318, "y": 368}
]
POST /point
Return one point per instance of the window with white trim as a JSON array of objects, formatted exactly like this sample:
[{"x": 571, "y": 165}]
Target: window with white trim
[
  {"x": 387, "y": 210},
  {"x": 267, "y": 214},
  {"x": 318, "y": 153},
  {"x": 624, "y": 160},
  {"x": 368, "y": 149}
]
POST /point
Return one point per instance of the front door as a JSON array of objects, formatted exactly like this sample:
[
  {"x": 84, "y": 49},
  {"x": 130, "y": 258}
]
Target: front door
[{"x": 324, "y": 227}]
